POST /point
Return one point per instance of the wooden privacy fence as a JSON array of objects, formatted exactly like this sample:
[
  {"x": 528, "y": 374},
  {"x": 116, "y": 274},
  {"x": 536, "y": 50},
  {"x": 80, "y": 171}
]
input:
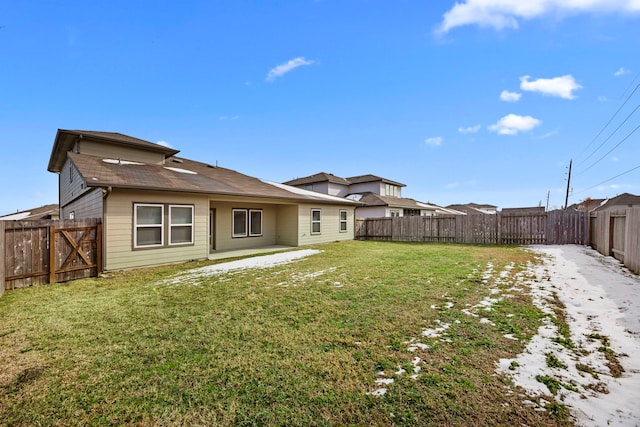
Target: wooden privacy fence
[
  {"x": 616, "y": 232},
  {"x": 556, "y": 227},
  {"x": 39, "y": 252}
]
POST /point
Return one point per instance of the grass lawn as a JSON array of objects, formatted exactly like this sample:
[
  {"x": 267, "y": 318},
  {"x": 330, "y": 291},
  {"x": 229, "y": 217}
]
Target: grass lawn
[{"x": 308, "y": 343}]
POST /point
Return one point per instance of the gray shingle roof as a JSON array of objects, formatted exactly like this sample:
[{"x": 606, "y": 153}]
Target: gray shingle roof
[
  {"x": 372, "y": 178},
  {"x": 372, "y": 199},
  {"x": 317, "y": 178},
  {"x": 182, "y": 175}
]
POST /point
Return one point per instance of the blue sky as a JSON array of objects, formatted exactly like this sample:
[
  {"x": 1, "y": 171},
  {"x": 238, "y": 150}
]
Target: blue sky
[{"x": 476, "y": 101}]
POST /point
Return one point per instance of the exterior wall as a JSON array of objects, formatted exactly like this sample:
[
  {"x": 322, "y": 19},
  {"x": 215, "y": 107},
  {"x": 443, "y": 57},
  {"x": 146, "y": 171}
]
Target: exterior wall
[
  {"x": 224, "y": 223},
  {"x": 87, "y": 206},
  {"x": 287, "y": 225},
  {"x": 329, "y": 224},
  {"x": 374, "y": 212},
  {"x": 71, "y": 183},
  {"x": 338, "y": 190},
  {"x": 376, "y": 187},
  {"x": 118, "y": 229},
  {"x": 113, "y": 151}
]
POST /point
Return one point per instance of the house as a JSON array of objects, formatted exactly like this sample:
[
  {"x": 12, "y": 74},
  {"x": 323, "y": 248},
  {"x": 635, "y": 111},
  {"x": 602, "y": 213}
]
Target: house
[
  {"x": 622, "y": 201},
  {"x": 43, "y": 212},
  {"x": 158, "y": 208},
  {"x": 474, "y": 208},
  {"x": 587, "y": 205},
  {"x": 535, "y": 210},
  {"x": 379, "y": 197}
]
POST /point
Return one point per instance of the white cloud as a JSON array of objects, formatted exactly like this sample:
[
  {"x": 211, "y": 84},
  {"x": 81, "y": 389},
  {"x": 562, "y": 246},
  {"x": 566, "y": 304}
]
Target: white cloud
[
  {"x": 507, "y": 96},
  {"x": 562, "y": 87},
  {"x": 549, "y": 134},
  {"x": 470, "y": 129},
  {"x": 434, "y": 141},
  {"x": 501, "y": 14},
  {"x": 621, "y": 72},
  {"x": 512, "y": 124},
  {"x": 288, "y": 66},
  {"x": 164, "y": 144},
  {"x": 602, "y": 98}
]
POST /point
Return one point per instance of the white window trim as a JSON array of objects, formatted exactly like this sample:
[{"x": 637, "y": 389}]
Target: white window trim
[
  {"x": 136, "y": 226},
  {"x": 344, "y": 221},
  {"x": 171, "y": 225},
  {"x": 233, "y": 223},
  {"x": 319, "y": 222},
  {"x": 249, "y": 218}
]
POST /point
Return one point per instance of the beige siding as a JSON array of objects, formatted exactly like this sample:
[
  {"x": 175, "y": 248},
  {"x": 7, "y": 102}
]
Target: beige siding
[
  {"x": 329, "y": 224},
  {"x": 287, "y": 225},
  {"x": 224, "y": 235},
  {"x": 111, "y": 151},
  {"x": 71, "y": 183},
  {"x": 87, "y": 206},
  {"x": 118, "y": 229}
]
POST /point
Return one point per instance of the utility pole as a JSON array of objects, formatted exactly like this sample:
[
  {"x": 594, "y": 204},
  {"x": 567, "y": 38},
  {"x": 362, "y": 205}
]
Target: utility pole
[
  {"x": 566, "y": 199},
  {"x": 548, "y": 194}
]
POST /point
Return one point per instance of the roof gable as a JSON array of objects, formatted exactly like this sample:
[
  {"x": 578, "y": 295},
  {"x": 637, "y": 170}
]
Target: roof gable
[
  {"x": 317, "y": 178},
  {"x": 360, "y": 179},
  {"x": 66, "y": 139},
  {"x": 624, "y": 199}
]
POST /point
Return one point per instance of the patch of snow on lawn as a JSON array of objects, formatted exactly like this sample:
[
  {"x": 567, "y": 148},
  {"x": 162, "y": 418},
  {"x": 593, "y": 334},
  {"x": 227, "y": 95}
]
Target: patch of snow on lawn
[
  {"x": 602, "y": 299},
  {"x": 264, "y": 261},
  {"x": 436, "y": 332}
]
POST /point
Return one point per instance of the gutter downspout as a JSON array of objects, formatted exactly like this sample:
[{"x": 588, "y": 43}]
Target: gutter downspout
[{"x": 105, "y": 193}]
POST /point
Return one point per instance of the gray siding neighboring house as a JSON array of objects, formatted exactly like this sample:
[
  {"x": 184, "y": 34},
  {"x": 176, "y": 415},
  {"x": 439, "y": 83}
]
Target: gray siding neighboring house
[
  {"x": 379, "y": 197},
  {"x": 158, "y": 208},
  {"x": 474, "y": 208}
]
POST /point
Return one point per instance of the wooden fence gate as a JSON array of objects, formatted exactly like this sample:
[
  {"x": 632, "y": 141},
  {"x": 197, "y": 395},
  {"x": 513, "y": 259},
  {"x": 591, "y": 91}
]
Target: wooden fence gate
[{"x": 40, "y": 252}]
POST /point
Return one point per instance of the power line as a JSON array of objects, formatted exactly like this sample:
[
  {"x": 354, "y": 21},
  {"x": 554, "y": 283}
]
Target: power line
[
  {"x": 616, "y": 146},
  {"x": 612, "y": 133},
  {"x": 608, "y": 123},
  {"x": 611, "y": 179}
]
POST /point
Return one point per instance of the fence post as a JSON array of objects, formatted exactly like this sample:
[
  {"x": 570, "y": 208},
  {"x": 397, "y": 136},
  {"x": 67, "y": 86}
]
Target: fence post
[
  {"x": 99, "y": 248},
  {"x": 2, "y": 257},
  {"x": 52, "y": 254}
]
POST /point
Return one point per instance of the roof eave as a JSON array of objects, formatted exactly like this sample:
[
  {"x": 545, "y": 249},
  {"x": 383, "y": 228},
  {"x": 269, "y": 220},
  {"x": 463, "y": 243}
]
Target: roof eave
[{"x": 223, "y": 193}]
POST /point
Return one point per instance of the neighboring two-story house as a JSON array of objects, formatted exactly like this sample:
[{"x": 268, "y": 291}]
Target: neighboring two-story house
[
  {"x": 157, "y": 208},
  {"x": 379, "y": 197}
]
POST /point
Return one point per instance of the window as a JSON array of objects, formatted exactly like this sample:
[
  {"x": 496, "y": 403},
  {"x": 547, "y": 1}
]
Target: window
[
  {"x": 391, "y": 190},
  {"x": 309, "y": 187},
  {"x": 343, "y": 221},
  {"x": 239, "y": 223},
  {"x": 72, "y": 215},
  {"x": 148, "y": 225},
  {"x": 315, "y": 221},
  {"x": 394, "y": 213},
  {"x": 247, "y": 222},
  {"x": 412, "y": 212},
  {"x": 255, "y": 222},
  {"x": 180, "y": 225}
]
